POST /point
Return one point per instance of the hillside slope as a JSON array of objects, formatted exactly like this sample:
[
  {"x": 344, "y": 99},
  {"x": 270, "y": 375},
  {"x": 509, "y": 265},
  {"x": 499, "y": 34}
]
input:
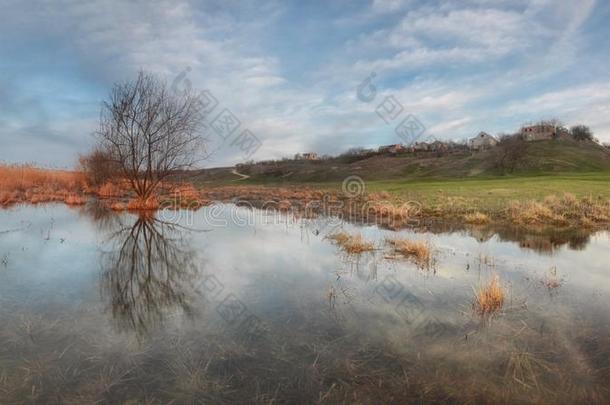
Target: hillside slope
[{"x": 542, "y": 157}]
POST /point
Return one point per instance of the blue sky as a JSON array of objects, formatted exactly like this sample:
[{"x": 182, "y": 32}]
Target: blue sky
[{"x": 289, "y": 70}]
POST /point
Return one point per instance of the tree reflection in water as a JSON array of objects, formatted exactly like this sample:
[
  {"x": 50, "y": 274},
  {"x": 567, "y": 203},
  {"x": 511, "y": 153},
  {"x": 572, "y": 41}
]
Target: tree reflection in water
[{"x": 148, "y": 273}]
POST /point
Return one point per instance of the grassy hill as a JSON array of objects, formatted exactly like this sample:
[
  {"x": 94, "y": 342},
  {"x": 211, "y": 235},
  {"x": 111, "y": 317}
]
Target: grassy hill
[{"x": 535, "y": 159}]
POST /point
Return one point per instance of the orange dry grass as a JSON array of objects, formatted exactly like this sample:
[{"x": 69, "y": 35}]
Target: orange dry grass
[
  {"x": 419, "y": 252},
  {"x": 138, "y": 204},
  {"x": 560, "y": 211},
  {"x": 477, "y": 218},
  {"x": 109, "y": 190},
  {"x": 352, "y": 243},
  {"x": 489, "y": 298},
  {"x": 183, "y": 196},
  {"x": 24, "y": 183},
  {"x": 74, "y": 199},
  {"x": 118, "y": 206}
]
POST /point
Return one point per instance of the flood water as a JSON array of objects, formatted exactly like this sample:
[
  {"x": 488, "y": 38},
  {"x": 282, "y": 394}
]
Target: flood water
[{"x": 230, "y": 305}]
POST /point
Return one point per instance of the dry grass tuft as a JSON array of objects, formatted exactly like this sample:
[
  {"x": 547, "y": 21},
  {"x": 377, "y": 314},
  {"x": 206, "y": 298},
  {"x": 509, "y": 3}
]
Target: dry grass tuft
[
  {"x": 419, "y": 252},
  {"x": 73, "y": 199},
  {"x": 477, "y": 218},
  {"x": 138, "y": 204},
  {"x": 561, "y": 211},
  {"x": 118, "y": 206},
  {"x": 108, "y": 190},
  {"x": 352, "y": 243},
  {"x": 551, "y": 280},
  {"x": 489, "y": 298},
  {"x": 183, "y": 196}
]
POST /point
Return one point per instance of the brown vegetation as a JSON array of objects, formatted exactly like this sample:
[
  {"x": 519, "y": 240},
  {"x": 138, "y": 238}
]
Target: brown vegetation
[
  {"x": 98, "y": 167},
  {"x": 352, "y": 243},
  {"x": 183, "y": 196},
  {"x": 489, "y": 298},
  {"x": 109, "y": 190},
  {"x": 25, "y": 183},
  {"x": 561, "y": 211},
  {"x": 419, "y": 252},
  {"x": 140, "y": 204},
  {"x": 477, "y": 218}
]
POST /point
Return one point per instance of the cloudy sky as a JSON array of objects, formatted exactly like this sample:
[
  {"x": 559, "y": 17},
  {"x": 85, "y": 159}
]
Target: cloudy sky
[{"x": 290, "y": 71}]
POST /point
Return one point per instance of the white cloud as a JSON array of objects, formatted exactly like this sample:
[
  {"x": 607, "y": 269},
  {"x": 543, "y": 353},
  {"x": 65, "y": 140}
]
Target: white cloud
[{"x": 456, "y": 66}]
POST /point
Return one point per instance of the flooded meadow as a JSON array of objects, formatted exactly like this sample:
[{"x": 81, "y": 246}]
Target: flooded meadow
[{"x": 229, "y": 304}]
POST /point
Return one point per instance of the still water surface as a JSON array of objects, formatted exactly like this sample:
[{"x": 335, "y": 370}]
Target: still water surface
[{"x": 230, "y": 305}]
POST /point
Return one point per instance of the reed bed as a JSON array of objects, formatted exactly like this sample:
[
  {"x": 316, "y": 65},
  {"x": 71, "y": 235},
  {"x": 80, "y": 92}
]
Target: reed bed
[
  {"x": 560, "y": 211},
  {"x": 26, "y": 183}
]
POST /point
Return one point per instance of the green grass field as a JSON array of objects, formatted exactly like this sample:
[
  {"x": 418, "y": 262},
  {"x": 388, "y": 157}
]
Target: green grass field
[
  {"x": 467, "y": 181},
  {"x": 479, "y": 193},
  {"x": 490, "y": 194}
]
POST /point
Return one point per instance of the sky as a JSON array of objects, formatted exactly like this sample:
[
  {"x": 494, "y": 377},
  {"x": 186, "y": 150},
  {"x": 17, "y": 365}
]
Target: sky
[{"x": 303, "y": 76}]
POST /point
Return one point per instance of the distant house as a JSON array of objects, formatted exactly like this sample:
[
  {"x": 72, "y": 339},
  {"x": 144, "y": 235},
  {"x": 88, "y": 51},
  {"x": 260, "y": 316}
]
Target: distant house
[
  {"x": 482, "y": 141},
  {"x": 306, "y": 156},
  {"x": 420, "y": 146},
  {"x": 542, "y": 132},
  {"x": 367, "y": 151},
  {"x": 396, "y": 148},
  {"x": 438, "y": 146}
]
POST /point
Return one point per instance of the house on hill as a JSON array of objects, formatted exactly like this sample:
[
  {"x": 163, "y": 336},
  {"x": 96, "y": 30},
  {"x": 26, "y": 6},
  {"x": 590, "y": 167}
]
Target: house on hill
[
  {"x": 438, "y": 146},
  {"x": 396, "y": 148},
  {"x": 543, "y": 132},
  {"x": 420, "y": 146},
  {"x": 306, "y": 156},
  {"x": 482, "y": 141},
  {"x": 538, "y": 132}
]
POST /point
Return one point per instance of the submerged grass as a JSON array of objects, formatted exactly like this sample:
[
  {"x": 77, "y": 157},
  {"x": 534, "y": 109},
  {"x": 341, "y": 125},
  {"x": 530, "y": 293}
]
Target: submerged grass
[
  {"x": 419, "y": 252},
  {"x": 551, "y": 280},
  {"x": 352, "y": 244},
  {"x": 489, "y": 298}
]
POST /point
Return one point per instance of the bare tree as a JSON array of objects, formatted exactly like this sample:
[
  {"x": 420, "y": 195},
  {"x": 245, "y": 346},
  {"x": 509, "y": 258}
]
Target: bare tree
[
  {"x": 98, "y": 167},
  {"x": 150, "y": 131},
  {"x": 581, "y": 133},
  {"x": 510, "y": 152}
]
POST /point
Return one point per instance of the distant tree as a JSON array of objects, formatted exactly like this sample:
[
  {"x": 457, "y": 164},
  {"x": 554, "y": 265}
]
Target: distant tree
[
  {"x": 149, "y": 131},
  {"x": 354, "y": 151},
  {"x": 98, "y": 167},
  {"x": 511, "y": 150},
  {"x": 555, "y": 122},
  {"x": 581, "y": 133}
]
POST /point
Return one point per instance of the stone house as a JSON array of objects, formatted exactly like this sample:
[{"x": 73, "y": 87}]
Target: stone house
[
  {"x": 306, "y": 156},
  {"x": 438, "y": 146},
  {"x": 396, "y": 148},
  {"x": 482, "y": 141},
  {"x": 420, "y": 146},
  {"x": 539, "y": 132}
]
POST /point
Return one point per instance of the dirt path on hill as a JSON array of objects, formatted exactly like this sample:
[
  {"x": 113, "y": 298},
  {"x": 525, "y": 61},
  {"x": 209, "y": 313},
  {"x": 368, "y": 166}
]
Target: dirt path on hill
[{"x": 243, "y": 176}]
